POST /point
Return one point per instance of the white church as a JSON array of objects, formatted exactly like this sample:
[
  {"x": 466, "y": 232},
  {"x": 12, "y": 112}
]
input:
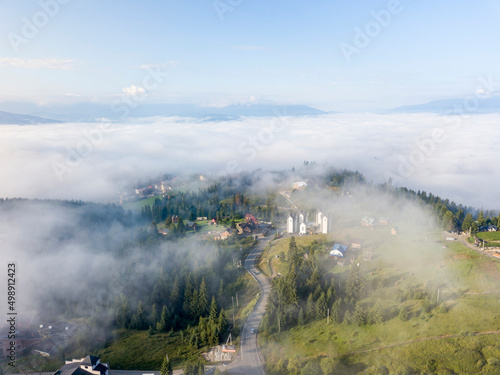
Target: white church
[{"x": 298, "y": 224}]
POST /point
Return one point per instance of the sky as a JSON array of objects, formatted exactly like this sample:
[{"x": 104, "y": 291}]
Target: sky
[{"x": 333, "y": 55}]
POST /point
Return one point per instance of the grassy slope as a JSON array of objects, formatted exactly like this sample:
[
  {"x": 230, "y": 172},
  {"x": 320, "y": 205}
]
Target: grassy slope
[
  {"x": 493, "y": 236},
  {"x": 399, "y": 262}
]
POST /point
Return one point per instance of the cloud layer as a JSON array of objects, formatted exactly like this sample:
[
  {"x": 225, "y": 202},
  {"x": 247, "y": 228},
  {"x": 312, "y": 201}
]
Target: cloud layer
[{"x": 450, "y": 156}]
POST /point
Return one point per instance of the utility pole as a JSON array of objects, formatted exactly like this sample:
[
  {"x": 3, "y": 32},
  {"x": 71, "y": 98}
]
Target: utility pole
[
  {"x": 237, "y": 303},
  {"x": 327, "y": 316},
  {"x": 232, "y": 299}
]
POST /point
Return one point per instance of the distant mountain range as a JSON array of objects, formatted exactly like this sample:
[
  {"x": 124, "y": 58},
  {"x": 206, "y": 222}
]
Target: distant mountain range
[
  {"x": 91, "y": 112},
  {"x": 17, "y": 119},
  {"x": 468, "y": 105}
]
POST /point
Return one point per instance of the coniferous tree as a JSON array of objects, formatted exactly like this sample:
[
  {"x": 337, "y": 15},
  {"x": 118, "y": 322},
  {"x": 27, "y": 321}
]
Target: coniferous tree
[
  {"x": 467, "y": 223},
  {"x": 139, "y": 319},
  {"x": 335, "y": 312},
  {"x": 162, "y": 324},
  {"x": 123, "y": 311},
  {"x": 212, "y": 317},
  {"x": 222, "y": 323},
  {"x": 166, "y": 367},
  {"x": 202, "y": 298},
  {"x": 301, "y": 320},
  {"x": 310, "y": 308},
  {"x": 321, "y": 307},
  {"x": 354, "y": 284},
  {"x": 154, "y": 315},
  {"x": 220, "y": 292},
  {"x": 175, "y": 292}
]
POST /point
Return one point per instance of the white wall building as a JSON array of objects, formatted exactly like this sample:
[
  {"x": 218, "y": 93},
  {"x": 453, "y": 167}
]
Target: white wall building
[
  {"x": 324, "y": 225},
  {"x": 319, "y": 217},
  {"x": 303, "y": 229},
  {"x": 289, "y": 225}
]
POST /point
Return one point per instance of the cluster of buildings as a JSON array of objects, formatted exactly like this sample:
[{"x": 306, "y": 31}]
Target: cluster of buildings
[
  {"x": 46, "y": 339},
  {"x": 370, "y": 222},
  {"x": 343, "y": 254},
  {"x": 488, "y": 228},
  {"x": 251, "y": 226},
  {"x": 89, "y": 365},
  {"x": 298, "y": 223}
]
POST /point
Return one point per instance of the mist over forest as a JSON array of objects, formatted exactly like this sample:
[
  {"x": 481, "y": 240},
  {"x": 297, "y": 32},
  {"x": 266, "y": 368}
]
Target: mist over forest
[{"x": 98, "y": 162}]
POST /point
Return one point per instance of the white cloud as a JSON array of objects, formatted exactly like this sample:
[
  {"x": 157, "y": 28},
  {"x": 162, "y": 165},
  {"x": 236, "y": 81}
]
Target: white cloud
[
  {"x": 16, "y": 62},
  {"x": 133, "y": 90}
]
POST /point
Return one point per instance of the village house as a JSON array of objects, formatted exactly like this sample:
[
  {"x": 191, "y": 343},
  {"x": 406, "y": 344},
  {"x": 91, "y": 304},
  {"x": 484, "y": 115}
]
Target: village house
[
  {"x": 488, "y": 228},
  {"x": 89, "y": 365},
  {"x": 224, "y": 235},
  {"x": 367, "y": 222},
  {"x": 367, "y": 255},
  {"x": 248, "y": 227},
  {"x": 249, "y": 217},
  {"x": 192, "y": 225},
  {"x": 356, "y": 244},
  {"x": 299, "y": 185},
  {"x": 26, "y": 340},
  {"x": 338, "y": 251},
  {"x": 384, "y": 220}
]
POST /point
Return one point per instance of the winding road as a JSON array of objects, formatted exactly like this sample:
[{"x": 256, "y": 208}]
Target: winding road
[{"x": 248, "y": 361}]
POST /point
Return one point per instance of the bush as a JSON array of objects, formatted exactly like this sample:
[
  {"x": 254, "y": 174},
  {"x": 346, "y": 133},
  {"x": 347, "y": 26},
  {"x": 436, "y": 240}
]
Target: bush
[
  {"x": 404, "y": 314},
  {"x": 443, "y": 308},
  {"x": 311, "y": 368},
  {"x": 494, "y": 361}
]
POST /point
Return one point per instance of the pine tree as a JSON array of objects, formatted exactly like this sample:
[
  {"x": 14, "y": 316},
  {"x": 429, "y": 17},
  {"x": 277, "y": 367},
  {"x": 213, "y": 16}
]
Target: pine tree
[
  {"x": 154, "y": 315},
  {"x": 321, "y": 307},
  {"x": 310, "y": 308},
  {"x": 194, "y": 306},
  {"x": 301, "y": 319},
  {"x": 175, "y": 293},
  {"x": 212, "y": 317},
  {"x": 162, "y": 324},
  {"x": 220, "y": 293},
  {"x": 140, "y": 319},
  {"x": 359, "y": 316},
  {"x": 202, "y": 298},
  {"x": 293, "y": 250},
  {"x": 188, "y": 294},
  {"x": 335, "y": 312},
  {"x": 481, "y": 221},
  {"x": 123, "y": 311},
  {"x": 375, "y": 314},
  {"x": 467, "y": 223},
  {"x": 330, "y": 296},
  {"x": 313, "y": 281},
  {"x": 222, "y": 323},
  {"x": 354, "y": 284},
  {"x": 166, "y": 367}
]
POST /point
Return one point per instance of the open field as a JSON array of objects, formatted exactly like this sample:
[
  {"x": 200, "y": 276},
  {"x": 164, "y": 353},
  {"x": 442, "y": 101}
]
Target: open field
[{"x": 489, "y": 236}]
